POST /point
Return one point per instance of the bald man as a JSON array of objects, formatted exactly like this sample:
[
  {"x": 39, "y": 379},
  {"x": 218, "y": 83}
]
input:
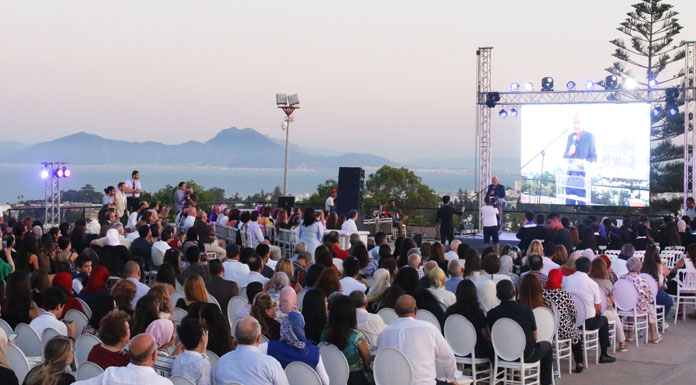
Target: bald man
[
  {"x": 143, "y": 354},
  {"x": 247, "y": 364},
  {"x": 132, "y": 273},
  {"x": 427, "y": 268},
  {"x": 451, "y": 255},
  {"x": 421, "y": 342}
]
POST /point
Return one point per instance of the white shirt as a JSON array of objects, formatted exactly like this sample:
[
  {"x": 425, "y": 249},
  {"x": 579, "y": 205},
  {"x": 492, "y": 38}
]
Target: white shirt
[
  {"x": 371, "y": 325},
  {"x": 158, "y": 249},
  {"x": 247, "y": 365},
  {"x": 235, "y": 270},
  {"x": 255, "y": 233},
  {"x": 329, "y": 204},
  {"x": 424, "y": 347},
  {"x": 549, "y": 265},
  {"x": 451, "y": 255},
  {"x": 221, "y": 220},
  {"x": 133, "y": 184},
  {"x": 132, "y": 220},
  {"x": 188, "y": 223},
  {"x": 48, "y": 320},
  {"x": 350, "y": 284},
  {"x": 349, "y": 226},
  {"x": 253, "y": 276},
  {"x": 140, "y": 290},
  {"x": 320, "y": 369},
  {"x": 483, "y": 276},
  {"x": 77, "y": 285},
  {"x": 489, "y": 214},
  {"x": 586, "y": 288},
  {"x": 133, "y": 235},
  {"x": 444, "y": 296},
  {"x": 127, "y": 375},
  {"x": 101, "y": 242}
]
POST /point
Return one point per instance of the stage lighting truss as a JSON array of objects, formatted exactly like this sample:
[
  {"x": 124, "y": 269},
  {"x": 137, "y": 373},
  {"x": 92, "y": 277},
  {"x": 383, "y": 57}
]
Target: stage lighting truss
[
  {"x": 52, "y": 173},
  {"x": 599, "y": 96}
]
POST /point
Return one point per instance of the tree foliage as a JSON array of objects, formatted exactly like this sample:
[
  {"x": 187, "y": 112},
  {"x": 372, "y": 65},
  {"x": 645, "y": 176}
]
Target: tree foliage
[
  {"x": 399, "y": 184},
  {"x": 319, "y": 197},
  {"x": 86, "y": 194}
]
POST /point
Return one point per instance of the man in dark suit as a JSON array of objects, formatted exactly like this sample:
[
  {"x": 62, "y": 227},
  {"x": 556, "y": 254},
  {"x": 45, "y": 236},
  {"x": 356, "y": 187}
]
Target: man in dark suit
[
  {"x": 580, "y": 145},
  {"x": 219, "y": 287},
  {"x": 528, "y": 234},
  {"x": 142, "y": 246}
]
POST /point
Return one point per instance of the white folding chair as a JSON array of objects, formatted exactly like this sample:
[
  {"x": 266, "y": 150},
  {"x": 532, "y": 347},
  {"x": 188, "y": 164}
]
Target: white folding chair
[
  {"x": 427, "y": 316},
  {"x": 562, "y": 349},
  {"x": 335, "y": 363},
  {"x": 299, "y": 373},
  {"x": 612, "y": 323},
  {"x": 180, "y": 380},
  {"x": 392, "y": 367},
  {"x": 17, "y": 361},
  {"x": 178, "y": 315},
  {"x": 212, "y": 299},
  {"x": 213, "y": 358},
  {"x": 232, "y": 306},
  {"x": 546, "y": 325},
  {"x": 85, "y": 307},
  {"x": 461, "y": 336},
  {"x": 243, "y": 294},
  {"x": 388, "y": 315},
  {"x": 83, "y": 345},
  {"x": 175, "y": 296},
  {"x": 659, "y": 309},
  {"x": 509, "y": 342},
  {"x": 88, "y": 370},
  {"x": 6, "y": 327},
  {"x": 300, "y": 298},
  {"x": 686, "y": 292},
  {"x": 78, "y": 319},
  {"x": 28, "y": 340},
  {"x": 47, "y": 334},
  {"x": 590, "y": 338},
  {"x": 626, "y": 297}
]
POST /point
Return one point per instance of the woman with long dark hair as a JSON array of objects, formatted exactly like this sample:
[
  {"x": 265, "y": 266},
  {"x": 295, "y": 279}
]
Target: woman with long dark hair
[
  {"x": 406, "y": 245},
  {"x": 78, "y": 237},
  {"x": 652, "y": 265},
  {"x": 146, "y": 311},
  {"x": 472, "y": 265},
  {"x": 672, "y": 237},
  {"x": 328, "y": 282},
  {"x": 18, "y": 307},
  {"x": 468, "y": 306},
  {"x": 220, "y": 340},
  {"x": 103, "y": 306},
  {"x": 314, "y": 313},
  {"x": 407, "y": 279},
  {"x": 531, "y": 294},
  {"x": 28, "y": 256}
]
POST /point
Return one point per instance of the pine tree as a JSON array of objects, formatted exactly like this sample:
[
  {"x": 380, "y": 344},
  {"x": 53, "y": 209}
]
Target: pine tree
[{"x": 651, "y": 28}]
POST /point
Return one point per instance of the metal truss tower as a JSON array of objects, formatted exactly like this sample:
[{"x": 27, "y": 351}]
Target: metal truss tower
[
  {"x": 483, "y": 120},
  {"x": 689, "y": 108},
  {"x": 52, "y": 193}
]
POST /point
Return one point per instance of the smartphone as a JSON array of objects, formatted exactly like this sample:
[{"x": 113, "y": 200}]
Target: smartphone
[{"x": 12, "y": 337}]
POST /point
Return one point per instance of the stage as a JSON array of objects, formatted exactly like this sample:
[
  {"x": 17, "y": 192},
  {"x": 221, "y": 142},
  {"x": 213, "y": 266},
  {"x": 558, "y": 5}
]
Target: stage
[{"x": 476, "y": 240}]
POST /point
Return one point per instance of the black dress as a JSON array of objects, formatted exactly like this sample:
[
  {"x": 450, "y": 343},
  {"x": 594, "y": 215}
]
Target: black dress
[
  {"x": 65, "y": 378},
  {"x": 8, "y": 376}
]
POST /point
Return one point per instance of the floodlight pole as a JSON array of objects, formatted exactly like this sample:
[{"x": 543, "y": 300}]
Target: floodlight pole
[{"x": 288, "y": 111}]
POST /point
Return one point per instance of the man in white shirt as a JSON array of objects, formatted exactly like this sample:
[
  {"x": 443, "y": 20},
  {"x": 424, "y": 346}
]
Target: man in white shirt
[
  {"x": 414, "y": 261},
  {"x": 161, "y": 246},
  {"x": 132, "y": 273},
  {"x": 351, "y": 270},
  {"x": 133, "y": 188},
  {"x": 549, "y": 264},
  {"x": 120, "y": 201},
  {"x": 103, "y": 241},
  {"x": 349, "y": 225},
  {"x": 329, "y": 204},
  {"x": 255, "y": 266},
  {"x": 190, "y": 219},
  {"x": 451, "y": 255},
  {"x": 585, "y": 288},
  {"x": 143, "y": 355},
  {"x": 421, "y": 343},
  {"x": 234, "y": 270},
  {"x": 133, "y": 218},
  {"x": 54, "y": 302},
  {"x": 246, "y": 364},
  {"x": 179, "y": 197},
  {"x": 370, "y": 324},
  {"x": 254, "y": 231},
  {"x": 489, "y": 215}
]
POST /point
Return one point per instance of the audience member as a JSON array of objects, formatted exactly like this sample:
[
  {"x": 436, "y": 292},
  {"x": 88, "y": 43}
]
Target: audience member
[
  {"x": 314, "y": 309},
  {"x": 351, "y": 271},
  {"x": 192, "y": 363},
  {"x": 103, "y": 306},
  {"x": 58, "y": 355},
  {"x": 218, "y": 286},
  {"x": 115, "y": 335},
  {"x": 380, "y": 283},
  {"x": 124, "y": 293},
  {"x": 54, "y": 302},
  {"x": 467, "y": 305},
  {"x": 599, "y": 273},
  {"x": 234, "y": 270},
  {"x": 221, "y": 340},
  {"x": 132, "y": 272},
  {"x": 370, "y": 324},
  {"x": 255, "y": 267},
  {"x": 6, "y": 372},
  {"x": 437, "y": 288},
  {"x": 164, "y": 333},
  {"x": 193, "y": 257},
  {"x": 645, "y": 297},
  {"x": 194, "y": 290},
  {"x": 264, "y": 310}
]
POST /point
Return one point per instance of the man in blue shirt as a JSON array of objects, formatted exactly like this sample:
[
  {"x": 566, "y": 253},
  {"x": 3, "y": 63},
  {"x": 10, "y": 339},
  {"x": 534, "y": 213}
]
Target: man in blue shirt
[{"x": 580, "y": 145}]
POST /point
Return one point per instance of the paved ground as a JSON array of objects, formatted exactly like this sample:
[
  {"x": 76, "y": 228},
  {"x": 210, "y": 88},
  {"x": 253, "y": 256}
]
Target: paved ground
[{"x": 673, "y": 362}]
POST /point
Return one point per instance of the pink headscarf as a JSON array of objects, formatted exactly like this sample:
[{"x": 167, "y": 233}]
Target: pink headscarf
[
  {"x": 288, "y": 300},
  {"x": 162, "y": 330}
]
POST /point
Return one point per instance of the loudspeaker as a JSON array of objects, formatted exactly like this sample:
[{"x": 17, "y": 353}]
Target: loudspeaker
[
  {"x": 286, "y": 202},
  {"x": 351, "y": 188}
]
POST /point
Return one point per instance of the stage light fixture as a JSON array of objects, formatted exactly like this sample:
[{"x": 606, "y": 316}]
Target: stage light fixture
[
  {"x": 652, "y": 83},
  {"x": 547, "y": 84},
  {"x": 671, "y": 95},
  {"x": 66, "y": 172},
  {"x": 514, "y": 87},
  {"x": 611, "y": 82},
  {"x": 44, "y": 173},
  {"x": 589, "y": 85},
  {"x": 513, "y": 112},
  {"x": 529, "y": 86},
  {"x": 570, "y": 85},
  {"x": 492, "y": 98},
  {"x": 59, "y": 173},
  {"x": 657, "y": 111},
  {"x": 673, "y": 111},
  {"x": 630, "y": 84},
  {"x": 503, "y": 114}
]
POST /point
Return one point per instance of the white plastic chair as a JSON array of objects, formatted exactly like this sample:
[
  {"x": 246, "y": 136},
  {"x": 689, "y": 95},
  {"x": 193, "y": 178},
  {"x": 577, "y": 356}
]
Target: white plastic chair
[
  {"x": 85, "y": 307},
  {"x": 83, "y": 345},
  {"x": 388, "y": 315},
  {"x": 78, "y": 319},
  {"x": 686, "y": 292},
  {"x": 28, "y": 340},
  {"x": 626, "y": 297},
  {"x": 175, "y": 296},
  {"x": 562, "y": 349},
  {"x": 180, "y": 380},
  {"x": 659, "y": 309},
  {"x": 546, "y": 325},
  {"x": 47, "y": 334},
  {"x": 6, "y": 327},
  {"x": 214, "y": 300},
  {"x": 299, "y": 373},
  {"x": 300, "y": 298},
  {"x": 243, "y": 294},
  {"x": 461, "y": 336},
  {"x": 17, "y": 361},
  {"x": 178, "y": 315},
  {"x": 590, "y": 338},
  {"x": 88, "y": 370},
  {"x": 335, "y": 363},
  {"x": 509, "y": 342},
  {"x": 427, "y": 316},
  {"x": 213, "y": 358},
  {"x": 232, "y": 306},
  {"x": 612, "y": 323},
  {"x": 392, "y": 367}
]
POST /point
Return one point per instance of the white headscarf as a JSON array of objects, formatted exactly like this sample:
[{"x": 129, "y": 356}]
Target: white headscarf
[
  {"x": 380, "y": 284},
  {"x": 112, "y": 238},
  {"x": 487, "y": 295}
]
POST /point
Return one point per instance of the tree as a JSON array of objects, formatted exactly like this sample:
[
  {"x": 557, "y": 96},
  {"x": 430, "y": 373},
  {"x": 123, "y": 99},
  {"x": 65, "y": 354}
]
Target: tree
[
  {"x": 318, "y": 199},
  {"x": 403, "y": 186},
  {"x": 86, "y": 194},
  {"x": 651, "y": 27}
]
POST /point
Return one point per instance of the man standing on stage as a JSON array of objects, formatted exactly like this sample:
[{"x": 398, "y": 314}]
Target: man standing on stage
[
  {"x": 133, "y": 191},
  {"x": 330, "y": 205},
  {"x": 444, "y": 219},
  {"x": 498, "y": 191},
  {"x": 581, "y": 146}
]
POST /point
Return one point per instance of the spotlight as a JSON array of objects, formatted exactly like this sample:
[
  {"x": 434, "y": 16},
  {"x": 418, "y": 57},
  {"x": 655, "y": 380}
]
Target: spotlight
[
  {"x": 673, "y": 111},
  {"x": 589, "y": 85},
  {"x": 44, "y": 173},
  {"x": 652, "y": 83},
  {"x": 513, "y": 112},
  {"x": 59, "y": 173},
  {"x": 66, "y": 172},
  {"x": 657, "y": 111},
  {"x": 514, "y": 87},
  {"x": 630, "y": 84},
  {"x": 547, "y": 84},
  {"x": 610, "y": 82},
  {"x": 671, "y": 95},
  {"x": 503, "y": 114},
  {"x": 492, "y": 98},
  {"x": 571, "y": 85},
  {"x": 529, "y": 86}
]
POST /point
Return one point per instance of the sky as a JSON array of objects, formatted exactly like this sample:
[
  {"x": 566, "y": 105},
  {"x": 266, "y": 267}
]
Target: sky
[{"x": 387, "y": 77}]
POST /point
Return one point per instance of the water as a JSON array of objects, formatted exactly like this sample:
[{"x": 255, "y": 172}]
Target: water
[{"x": 22, "y": 182}]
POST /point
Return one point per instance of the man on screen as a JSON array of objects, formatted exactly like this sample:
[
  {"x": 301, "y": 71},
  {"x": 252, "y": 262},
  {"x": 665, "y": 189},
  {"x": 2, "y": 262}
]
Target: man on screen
[{"x": 581, "y": 146}]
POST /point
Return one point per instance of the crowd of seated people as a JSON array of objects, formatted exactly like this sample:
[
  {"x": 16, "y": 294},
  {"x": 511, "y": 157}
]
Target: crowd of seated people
[{"x": 124, "y": 273}]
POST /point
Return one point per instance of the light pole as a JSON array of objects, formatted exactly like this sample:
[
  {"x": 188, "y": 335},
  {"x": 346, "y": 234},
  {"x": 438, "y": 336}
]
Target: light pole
[{"x": 287, "y": 103}]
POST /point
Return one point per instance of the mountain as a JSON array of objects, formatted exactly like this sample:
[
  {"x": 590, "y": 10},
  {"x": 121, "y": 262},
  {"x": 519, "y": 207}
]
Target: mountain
[{"x": 231, "y": 147}]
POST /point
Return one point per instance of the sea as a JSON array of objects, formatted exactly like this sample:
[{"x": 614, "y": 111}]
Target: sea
[{"x": 23, "y": 181}]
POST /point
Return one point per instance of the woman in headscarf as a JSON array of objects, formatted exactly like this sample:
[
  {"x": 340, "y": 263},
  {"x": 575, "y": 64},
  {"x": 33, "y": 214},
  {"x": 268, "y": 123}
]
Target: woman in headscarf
[
  {"x": 96, "y": 286},
  {"x": 506, "y": 266},
  {"x": 565, "y": 306},
  {"x": 287, "y": 300},
  {"x": 379, "y": 286},
  {"x": 279, "y": 281},
  {"x": 487, "y": 295},
  {"x": 63, "y": 281},
  {"x": 294, "y": 346},
  {"x": 163, "y": 331}
]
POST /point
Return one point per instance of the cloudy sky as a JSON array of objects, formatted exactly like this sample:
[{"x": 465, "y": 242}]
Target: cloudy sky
[{"x": 394, "y": 78}]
